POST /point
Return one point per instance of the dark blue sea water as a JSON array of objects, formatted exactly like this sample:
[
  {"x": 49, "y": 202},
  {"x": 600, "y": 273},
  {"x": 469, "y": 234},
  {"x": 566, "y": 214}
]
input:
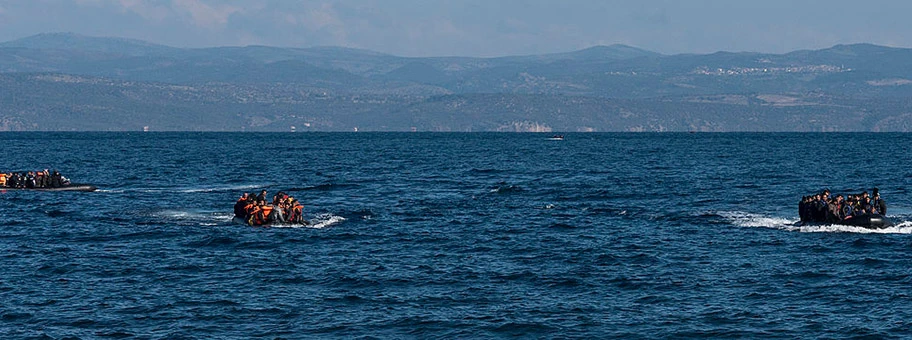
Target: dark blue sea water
[{"x": 454, "y": 236}]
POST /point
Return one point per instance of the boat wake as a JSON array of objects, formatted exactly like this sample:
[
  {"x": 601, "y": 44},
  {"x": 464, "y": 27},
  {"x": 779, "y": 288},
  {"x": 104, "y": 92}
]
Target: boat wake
[
  {"x": 192, "y": 217},
  {"x": 749, "y": 220},
  {"x": 189, "y": 190},
  {"x": 318, "y": 222}
]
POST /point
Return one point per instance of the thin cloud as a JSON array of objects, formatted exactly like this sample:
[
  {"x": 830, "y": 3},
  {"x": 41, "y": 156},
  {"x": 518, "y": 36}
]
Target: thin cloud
[
  {"x": 198, "y": 13},
  {"x": 148, "y": 11},
  {"x": 205, "y": 15}
]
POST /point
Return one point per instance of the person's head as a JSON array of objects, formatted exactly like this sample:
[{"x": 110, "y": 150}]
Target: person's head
[{"x": 839, "y": 198}]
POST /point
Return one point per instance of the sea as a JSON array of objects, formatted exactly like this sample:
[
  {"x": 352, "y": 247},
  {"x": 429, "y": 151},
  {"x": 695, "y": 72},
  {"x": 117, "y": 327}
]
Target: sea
[{"x": 454, "y": 235}]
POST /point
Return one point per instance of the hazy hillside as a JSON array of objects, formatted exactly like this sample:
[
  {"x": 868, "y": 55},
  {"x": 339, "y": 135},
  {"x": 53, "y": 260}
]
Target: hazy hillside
[{"x": 72, "y": 82}]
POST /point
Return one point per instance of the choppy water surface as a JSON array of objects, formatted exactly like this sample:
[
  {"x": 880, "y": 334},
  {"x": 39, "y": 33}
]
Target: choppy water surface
[{"x": 454, "y": 235}]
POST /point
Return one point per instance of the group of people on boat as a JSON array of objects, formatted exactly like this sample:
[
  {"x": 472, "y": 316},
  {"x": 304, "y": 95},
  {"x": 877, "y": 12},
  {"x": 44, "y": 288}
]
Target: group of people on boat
[
  {"x": 821, "y": 207},
  {"x": 33, "y": 180},
  {"x": 257, "y": 211}
]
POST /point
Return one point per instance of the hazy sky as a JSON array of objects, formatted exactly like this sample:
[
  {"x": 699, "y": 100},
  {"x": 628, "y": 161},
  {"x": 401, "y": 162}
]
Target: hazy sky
[{"x": 474, "y": 27}]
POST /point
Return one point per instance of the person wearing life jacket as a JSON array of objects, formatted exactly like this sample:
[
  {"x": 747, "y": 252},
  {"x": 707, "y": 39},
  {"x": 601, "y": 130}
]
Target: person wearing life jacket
[
  {"x": 297, "y": 211},
  {"x": 268, "y": 213},
  {"x": 39, "y": 179},
  {"x": 239, "y": 206},
  {"x": 47, "y": 178},
  {"x": 256, "y": 214},
  {"x": 847, "y": 210},
  {"x": 834, "y": 210},
  {"x": 867, "y": 206},
  {"x": 2, "y": 179},
  {"x": 288, "y": 208},
  {"x": 250, "y": 209},
  {"x": 279, "y": 196}
]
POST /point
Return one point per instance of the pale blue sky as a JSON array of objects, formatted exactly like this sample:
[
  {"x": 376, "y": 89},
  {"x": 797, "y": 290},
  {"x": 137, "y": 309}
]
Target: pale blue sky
[{"x": 474, "y": 27}]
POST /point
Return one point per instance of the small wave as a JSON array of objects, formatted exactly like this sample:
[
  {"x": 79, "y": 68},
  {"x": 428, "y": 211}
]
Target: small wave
[
  {"x": 318, "y": 222},
  {"x": 325, "y": 220},
  {"x": 743, "y": 219},
  {"x": 222, "y": 188},
  {"x": 205, "y": 218},
  {"x": 57, "y": 213},
  {"x": 506, "y": 189},
  {"x": 189, "y": 190},
  {"x": 323, "y": 187}
]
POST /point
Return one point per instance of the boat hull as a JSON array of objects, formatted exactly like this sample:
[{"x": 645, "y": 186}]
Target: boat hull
[
  {"x": 870, "y": 221},
  {"x": 73, "y": 187},
  {"x": 238, "y": 220}
]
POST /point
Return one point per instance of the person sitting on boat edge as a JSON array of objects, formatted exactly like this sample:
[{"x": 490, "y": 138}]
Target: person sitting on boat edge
[
  {"x": 879, "y": 203},
  {"x": 12, "y": 180},
  {"x": 261, "y": 196},
  {"x": 294, "y": 211},
  {"x": 820, "y": 206},
  {"x": 278, "y": 198},
  {"x": 834, "y": 210},
  {"x": 30, "y": 180},
  {"x": 848, "y": 209},
  {"x": 239, "y": 206}
]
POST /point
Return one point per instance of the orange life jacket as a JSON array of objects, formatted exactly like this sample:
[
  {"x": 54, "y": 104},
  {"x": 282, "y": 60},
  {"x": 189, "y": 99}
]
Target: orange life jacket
[
  {"x": 2, "y": 179},
  {"x": 253, "y": 215},
  {"x": 266, "y": 212},
  {"x": 295, "y": 213}
]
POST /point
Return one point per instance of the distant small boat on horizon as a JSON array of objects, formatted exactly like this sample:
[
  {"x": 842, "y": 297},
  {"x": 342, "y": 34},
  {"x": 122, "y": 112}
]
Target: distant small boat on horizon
[{"x": 556, "y": 137}]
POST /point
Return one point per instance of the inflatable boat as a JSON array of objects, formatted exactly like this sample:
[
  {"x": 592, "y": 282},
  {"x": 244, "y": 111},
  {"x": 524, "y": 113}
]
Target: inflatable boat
[
  {"x": 873, "y": 221},
  {"x": 870, "y": 221},
  {"x": 238, "y": 220},
  {"x": 71, "y": 187}
]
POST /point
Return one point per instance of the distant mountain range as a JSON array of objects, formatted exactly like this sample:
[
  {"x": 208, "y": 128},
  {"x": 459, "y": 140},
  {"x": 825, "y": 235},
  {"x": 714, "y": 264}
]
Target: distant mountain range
[{"x": 63, "y": 81}]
